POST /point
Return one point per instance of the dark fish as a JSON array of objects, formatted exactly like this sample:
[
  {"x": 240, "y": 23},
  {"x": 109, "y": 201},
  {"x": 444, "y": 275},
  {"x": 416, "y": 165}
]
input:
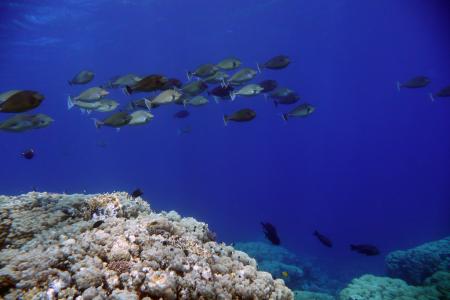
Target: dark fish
[
  {"x": 288, "y": 99},
  {"x": 323, "y": 239},
  {"x": 222, "y": 92},
  {"x": 369, "y": 250},
  {"x": 82, "y": 77},
  {"x": 150, "y": 83},
  {"x": 414, "y": 83},
  {"x": 21, "y": 101},
  {"x": 202, "y": 71},
  {"x": 172, "y": 83},
  {"x": 445, "y": 92},
  {"x": 271, "y": 233},
  {"x": 181, "y": 114},
  {"x": 116, "y": 120},
  {"x": 275, "y": 63},
  {"x": 243, "y": 115},
  {"x": 28, "y": 154},
  {"x": 268, "y": 85},
  {"x": 98, "y": 223},
  {"x": 137, "y": 193}
]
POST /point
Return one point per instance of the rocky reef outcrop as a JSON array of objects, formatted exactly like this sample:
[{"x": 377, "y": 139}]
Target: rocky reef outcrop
[
  {"x": 385, "y": 288},
  {"x": 415, "y": 265},
  {"x": 110, "y": 246}
]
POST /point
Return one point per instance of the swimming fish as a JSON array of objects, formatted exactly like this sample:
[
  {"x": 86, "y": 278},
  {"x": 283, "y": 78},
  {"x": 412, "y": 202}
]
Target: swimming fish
[
  {"x": 149, "y": 83},
  {"x": 124, "y": 80},
  {"x": 28, "y": 154},
  {"x": 414, "y": 83},
  {"x": 172, "y": 83},
  {"x": 202, "y": 71},
  {"x": 247, "y": 91},
  {"x": 165, "y": 97},
  {"x": 98, "y": 223},
  {"x": 302, "y": 110},
  {"x": 181, "y": 114},
  {"x": 288, "y": 99},
  {"x": 323, "y": 239},
  {"x": 136, "y": 193},
  {"x": 275, "y": 63},
  {"x": 21, "y": 101},
  {"x": 194, "y": 88},
  {"x": 230, "y": 63},
  {"x": 445, "y": 92},
  {"x": 268, "y": 85},
  {"x": 243, "y": 115},
  {"x": 195, "y": 101},
  {"x": 271, "y": 233},
  {"x": 82, "y": 77},
  {"x": 116, "y": 120},
  {"x": 221, "y": 92},
  {"x": 140, "y": 117},
  {"x": 23, "y": 122},
  {"x": 366, "y": 249},
  {"x": 91, "y": 94},
  {"x": 217, "y": 77},
  {"x": 242, "y": 76},
  {"x": 84, "y": 105}
]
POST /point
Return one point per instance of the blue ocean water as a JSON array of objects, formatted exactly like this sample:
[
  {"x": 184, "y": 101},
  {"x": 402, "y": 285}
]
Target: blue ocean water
[{"x": 371, "y": 165}]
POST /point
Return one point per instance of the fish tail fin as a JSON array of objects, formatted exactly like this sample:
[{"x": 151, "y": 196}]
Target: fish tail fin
[
  {"x": 189, "y": 75},
  {"x": 127, "y": 90},
  {"x": 232, "y": 95},
  {"x": 69, "y": 102},
  {"x": 431, "y": 97},
  {"x": 148, "y": 103},
  {"x": 398, "y": 86},
  {"x": 258, "y": 67},
  {"x": 285, "y": 117},
  {"x": 225, "y": 120},
  {"x": 97, "y": 123},
  {"x": 224, "y": 83}
]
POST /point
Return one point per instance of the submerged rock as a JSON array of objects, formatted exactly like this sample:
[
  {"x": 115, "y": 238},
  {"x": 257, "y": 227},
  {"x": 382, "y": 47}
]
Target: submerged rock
[
  {"x": 49, "y": 249},
  {"x": 415, "y": 265}
]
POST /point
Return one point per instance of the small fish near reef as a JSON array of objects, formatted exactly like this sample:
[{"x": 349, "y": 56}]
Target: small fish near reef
[
  {"x": 414, "y": 83},
  {"x": 323, "y": 239},
  {"x": 275, "y": 63},
  {"x": 445, "y": 92},
  {"x": 98, "y": 223},
  {"x": 28, "y": 154},
  {"x": 366, "y": 249},
  {"x": 136, "y": 193},
  {"x": 243, "y": 115},
  {"x": 271, "y": 233},
  {"x": 82, "y": 77},
  {"x": 285, "y": 274},
  {"x": 21, "y": 101}
]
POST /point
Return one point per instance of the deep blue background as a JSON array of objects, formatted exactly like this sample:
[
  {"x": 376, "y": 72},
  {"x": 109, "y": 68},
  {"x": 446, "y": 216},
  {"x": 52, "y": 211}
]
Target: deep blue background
[{"x": 370, "y": 165}]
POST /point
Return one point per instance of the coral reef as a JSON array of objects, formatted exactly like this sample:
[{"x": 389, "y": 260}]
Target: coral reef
[
  {"x": 415, "y": 265},
  {"x": 301, "y": 274},
  {"x": 49, "y": 249},
  {"x": 384, "y": 288},
  {"x": 305, "y": 295}
]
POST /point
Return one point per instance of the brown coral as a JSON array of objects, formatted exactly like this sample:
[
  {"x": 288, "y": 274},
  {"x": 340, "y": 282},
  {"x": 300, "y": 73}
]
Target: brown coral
[{"x": 120, "y": 266}]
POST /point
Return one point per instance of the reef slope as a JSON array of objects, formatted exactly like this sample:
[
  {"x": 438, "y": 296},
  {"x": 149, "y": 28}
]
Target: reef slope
[{"x": 109, "y": 246}]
